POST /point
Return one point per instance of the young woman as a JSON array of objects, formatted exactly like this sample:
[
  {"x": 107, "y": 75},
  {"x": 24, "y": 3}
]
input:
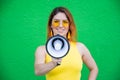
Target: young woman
[{"x": 61, "y": 22}]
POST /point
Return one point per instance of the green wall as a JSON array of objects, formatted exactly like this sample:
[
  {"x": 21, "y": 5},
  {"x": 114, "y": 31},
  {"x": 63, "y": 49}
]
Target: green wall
[{"x": 23, "y": 28}]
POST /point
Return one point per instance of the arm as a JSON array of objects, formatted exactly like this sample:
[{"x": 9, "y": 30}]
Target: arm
[
  {"x": 41, "y": 67},
  {"x": 89, "y": 61}
]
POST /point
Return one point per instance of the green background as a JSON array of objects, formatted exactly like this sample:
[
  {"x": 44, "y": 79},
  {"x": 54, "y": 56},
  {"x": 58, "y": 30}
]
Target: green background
[{"x": 23, "y": 28}]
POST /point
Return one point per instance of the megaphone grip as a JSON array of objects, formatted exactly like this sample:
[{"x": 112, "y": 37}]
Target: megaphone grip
[{"x": 58, "y": 63}]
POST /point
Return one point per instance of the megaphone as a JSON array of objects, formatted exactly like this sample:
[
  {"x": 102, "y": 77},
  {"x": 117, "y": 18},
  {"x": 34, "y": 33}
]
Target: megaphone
[{"x": 57, "y": 46}]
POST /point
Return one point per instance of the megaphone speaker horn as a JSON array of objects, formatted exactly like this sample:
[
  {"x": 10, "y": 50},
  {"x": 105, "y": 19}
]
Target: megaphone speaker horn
[{"x": 57, "y": 46}]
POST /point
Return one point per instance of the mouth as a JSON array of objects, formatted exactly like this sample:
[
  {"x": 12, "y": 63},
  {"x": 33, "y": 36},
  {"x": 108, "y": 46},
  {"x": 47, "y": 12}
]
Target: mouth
[{"x": 60, "y": 30}]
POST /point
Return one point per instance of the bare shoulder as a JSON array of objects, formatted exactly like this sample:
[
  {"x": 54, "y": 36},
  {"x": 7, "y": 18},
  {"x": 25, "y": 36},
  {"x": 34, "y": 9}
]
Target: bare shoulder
[
  {"x": 40, "y": 55},
  {"x": 81, "y": 48},
  {"x": 80, "y": 44},
  {"x": 40, "y": 49}
]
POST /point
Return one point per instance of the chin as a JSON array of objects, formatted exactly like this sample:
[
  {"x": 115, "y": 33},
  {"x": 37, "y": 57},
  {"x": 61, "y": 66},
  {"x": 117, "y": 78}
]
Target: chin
[{"x": 60, "y": 34}]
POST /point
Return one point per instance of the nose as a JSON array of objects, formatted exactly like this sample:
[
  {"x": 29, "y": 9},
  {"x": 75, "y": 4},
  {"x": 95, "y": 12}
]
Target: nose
[{"x": 60, "y": 24}]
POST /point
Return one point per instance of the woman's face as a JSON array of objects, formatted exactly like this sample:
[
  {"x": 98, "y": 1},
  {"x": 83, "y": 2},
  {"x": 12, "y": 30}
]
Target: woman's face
[{"x": 60, "y": 24}]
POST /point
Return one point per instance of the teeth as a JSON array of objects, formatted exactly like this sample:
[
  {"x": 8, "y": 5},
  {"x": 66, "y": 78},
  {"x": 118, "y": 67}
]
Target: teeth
[{"x": 60, "y": 30}]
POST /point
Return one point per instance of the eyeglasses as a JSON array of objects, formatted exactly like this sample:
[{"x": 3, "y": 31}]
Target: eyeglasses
[{"x": 56, "y": 23}]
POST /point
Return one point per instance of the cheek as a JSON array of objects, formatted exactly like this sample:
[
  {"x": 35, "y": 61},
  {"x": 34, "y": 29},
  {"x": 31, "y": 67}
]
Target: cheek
[
  {"x": 54, "y": 30},
  {"x": 67, "y": 29}
]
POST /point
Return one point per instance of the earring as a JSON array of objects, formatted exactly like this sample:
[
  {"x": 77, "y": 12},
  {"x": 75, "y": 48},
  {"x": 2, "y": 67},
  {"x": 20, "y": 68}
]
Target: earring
[
  {"x": 51, "y": 34},
  {"x": 68, "y": 35}
]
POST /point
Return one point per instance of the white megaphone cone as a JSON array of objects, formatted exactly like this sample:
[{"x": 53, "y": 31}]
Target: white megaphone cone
[{"x": 57, "y": 46}]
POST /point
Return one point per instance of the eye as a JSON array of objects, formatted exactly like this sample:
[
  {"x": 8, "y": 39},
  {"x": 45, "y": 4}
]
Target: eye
[
  {"x": 65, "y": 21},
  {"x": 55, "y": 23}
]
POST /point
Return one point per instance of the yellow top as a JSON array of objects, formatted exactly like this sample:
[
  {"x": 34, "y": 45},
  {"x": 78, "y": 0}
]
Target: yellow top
[{"x": 70, "y": 68}]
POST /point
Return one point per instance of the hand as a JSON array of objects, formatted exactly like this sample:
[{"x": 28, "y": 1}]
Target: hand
[{"x": 57, "y": 61}]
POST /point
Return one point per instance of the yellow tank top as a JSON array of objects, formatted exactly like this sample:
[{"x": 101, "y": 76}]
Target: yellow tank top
[{"x": 70, "y": 68}]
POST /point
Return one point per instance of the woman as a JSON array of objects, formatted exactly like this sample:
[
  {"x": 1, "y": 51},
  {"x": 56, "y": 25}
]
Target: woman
[{"x": 61, "y": 22}]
